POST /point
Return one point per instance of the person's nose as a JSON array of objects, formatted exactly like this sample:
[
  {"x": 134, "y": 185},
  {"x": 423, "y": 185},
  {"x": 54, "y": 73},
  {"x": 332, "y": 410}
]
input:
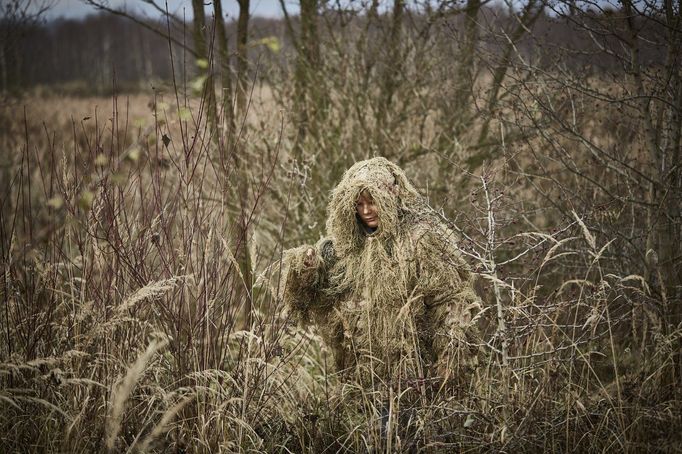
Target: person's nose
[{"x": 365, "y": 209}]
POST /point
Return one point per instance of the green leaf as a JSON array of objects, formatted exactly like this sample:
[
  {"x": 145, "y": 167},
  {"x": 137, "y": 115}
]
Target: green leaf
[
  {"x": 55, "y": 202},
  {"x": 271, "y": 42},
  {"x": 184, "y": 113},
  {"x": 86, "y": 199},
  {"x": 197, "y": 84},
  {"x": 202, "y": 63},
  {"x": 134, "y": 154}
]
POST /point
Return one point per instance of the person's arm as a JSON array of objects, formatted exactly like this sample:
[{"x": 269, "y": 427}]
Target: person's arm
[
  {"x": 306, "y": 280},
  {"x": 451, "y": 303}
]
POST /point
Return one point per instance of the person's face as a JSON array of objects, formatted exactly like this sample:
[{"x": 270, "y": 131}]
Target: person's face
[{"x": 367, "y": 210}]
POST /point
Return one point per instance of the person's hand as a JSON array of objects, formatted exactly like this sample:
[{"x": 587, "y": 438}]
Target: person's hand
[{"x": 309, "y": 259}]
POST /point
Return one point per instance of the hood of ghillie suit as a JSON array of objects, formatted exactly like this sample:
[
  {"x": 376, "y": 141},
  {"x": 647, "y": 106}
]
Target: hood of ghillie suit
[
  {"x": 396, "y": 201},
  {"x": 373, "y": 266}
]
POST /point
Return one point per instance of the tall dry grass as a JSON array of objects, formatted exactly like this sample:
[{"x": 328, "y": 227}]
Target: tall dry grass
[{"x": 121, "y": 326}]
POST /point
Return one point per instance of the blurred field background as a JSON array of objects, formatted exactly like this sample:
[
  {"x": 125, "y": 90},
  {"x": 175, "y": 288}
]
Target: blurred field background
[{"x": 153, "y": 171}]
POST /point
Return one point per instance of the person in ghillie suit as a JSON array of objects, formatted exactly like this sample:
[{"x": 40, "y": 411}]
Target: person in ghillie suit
[{"x": 387, "y": 288}]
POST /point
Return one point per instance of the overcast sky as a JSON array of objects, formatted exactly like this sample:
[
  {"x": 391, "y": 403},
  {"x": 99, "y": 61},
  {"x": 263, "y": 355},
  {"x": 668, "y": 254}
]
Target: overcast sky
[{"x": 77, "y": 8}]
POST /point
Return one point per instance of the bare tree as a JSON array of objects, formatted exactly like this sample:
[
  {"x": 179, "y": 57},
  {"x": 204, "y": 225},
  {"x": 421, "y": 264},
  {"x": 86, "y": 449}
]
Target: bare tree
[
  {"x": 212, "y": 55},
  {"x": 309, "y": 100},
  {"x": 605, "y": 140}
]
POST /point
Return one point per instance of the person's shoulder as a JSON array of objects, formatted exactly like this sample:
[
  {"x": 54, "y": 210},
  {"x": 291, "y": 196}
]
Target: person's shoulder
[{"x": 430, "y": 231}]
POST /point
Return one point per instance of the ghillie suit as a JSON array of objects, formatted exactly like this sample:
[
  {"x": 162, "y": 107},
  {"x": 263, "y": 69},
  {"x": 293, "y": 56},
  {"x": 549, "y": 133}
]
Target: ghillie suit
[{"x": 398, "y": 302}]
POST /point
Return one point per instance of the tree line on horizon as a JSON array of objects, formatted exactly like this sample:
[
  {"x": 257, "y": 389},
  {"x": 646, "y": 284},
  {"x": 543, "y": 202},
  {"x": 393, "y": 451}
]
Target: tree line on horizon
[{"x": 94, "y": 54}]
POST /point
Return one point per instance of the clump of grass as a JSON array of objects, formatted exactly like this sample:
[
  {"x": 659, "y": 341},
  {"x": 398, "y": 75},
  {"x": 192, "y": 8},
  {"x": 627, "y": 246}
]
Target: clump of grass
[{"x": 124, "y": 387}]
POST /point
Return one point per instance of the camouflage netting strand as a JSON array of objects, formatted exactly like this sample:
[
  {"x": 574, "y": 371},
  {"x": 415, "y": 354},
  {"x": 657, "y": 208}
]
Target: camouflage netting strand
[{"x": 398, "y": 301}]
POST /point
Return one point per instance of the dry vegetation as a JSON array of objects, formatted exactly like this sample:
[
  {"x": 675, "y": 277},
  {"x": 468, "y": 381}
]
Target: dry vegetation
[{"x": 130, "y": 321}]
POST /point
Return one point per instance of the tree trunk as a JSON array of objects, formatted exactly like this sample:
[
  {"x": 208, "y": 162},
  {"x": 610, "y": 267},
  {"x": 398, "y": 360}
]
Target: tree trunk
[
  {"x": 204, "y": 68},
  {"x": 241, "y": 230},
  {"x": 456, "y": 111},
  {"x": 392, "y": 68},
  {"x": 669, "y": 233},
  {"x": 226, "y": 77},
  {"x": 3, "y": 71},
  {"x": 465, "y": 68},
  {"x": 307, "y": 98},
  {"x": 528, "y": 17},
  {"x": 242, "y": 56}
]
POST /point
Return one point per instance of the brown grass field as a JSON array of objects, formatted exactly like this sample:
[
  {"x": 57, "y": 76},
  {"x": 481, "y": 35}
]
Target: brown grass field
[{"x": 123, "y": 302}]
